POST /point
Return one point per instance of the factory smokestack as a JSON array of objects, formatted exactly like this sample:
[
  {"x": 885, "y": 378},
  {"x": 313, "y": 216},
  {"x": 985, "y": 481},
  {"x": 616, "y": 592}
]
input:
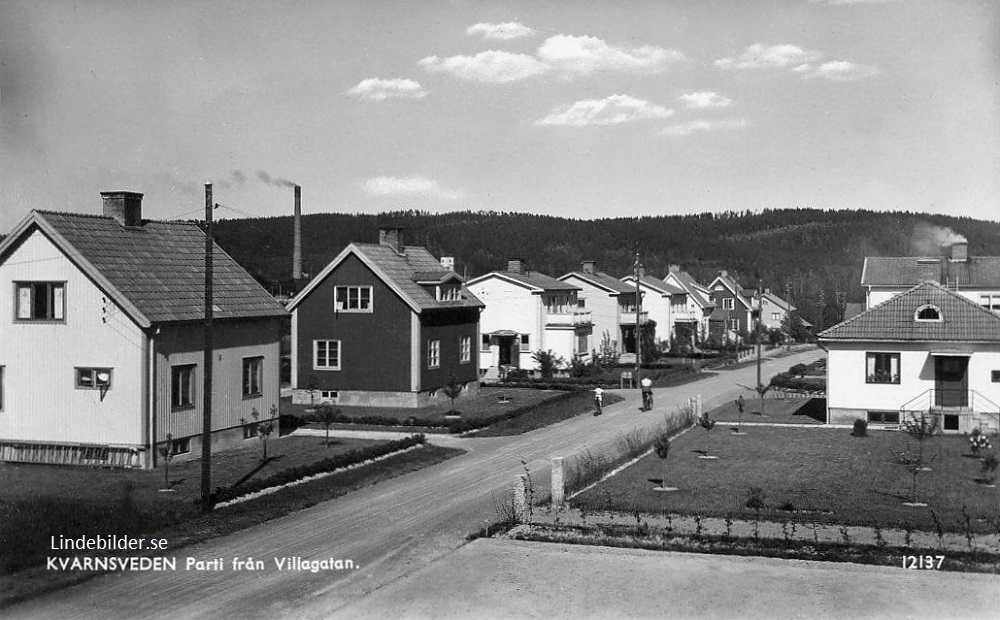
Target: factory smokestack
[{"x": 297, "y": 240}]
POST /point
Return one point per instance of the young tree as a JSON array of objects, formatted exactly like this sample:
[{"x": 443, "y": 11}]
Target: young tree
[
  {"x": 167, "y": 453},
  {"x": 708, "y": 424},
  {"x": 327, "y": 416},
  {"x": 920, "y": 428},
  {"x": 662, "y": 448},
  {"x": 547, "y": 362},
  {"x": 607, "y": 355}
]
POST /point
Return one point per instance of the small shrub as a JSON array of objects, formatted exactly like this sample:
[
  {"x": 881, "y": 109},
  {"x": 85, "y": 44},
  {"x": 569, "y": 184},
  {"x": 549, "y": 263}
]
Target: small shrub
[
  {"x": 755, "y": 499},
  {"x": 860, "y": 428},
  {"x": 787, "y": 506},
  {"x": 989, "y": 466}
]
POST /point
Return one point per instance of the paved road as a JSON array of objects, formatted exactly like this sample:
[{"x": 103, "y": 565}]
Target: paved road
[
  {"x": 513, "y": 579},
  {"x": 388, "y": 530}
]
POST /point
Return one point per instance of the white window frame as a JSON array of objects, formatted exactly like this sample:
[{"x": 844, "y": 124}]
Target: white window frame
[
  {"x": 434, "y": 353},
  {"x": 346, "y": 305},
  {"x": 89, "y": 378},
  {"x": 465, "y": 349},
  {"x": 327, "y": 356},
  {"x": 775, "y": 316},
  {"x": 180, "y": 446},
  {"x": 728, "y": 303},
  {"x": 175, "y": 373},
  {"x": 870, "y": 361},
  {"x": 449, "y": 292},
  {"x": 733, "y": 324},
  {"x": 484, "y": 343},
  {"x": 255, "y": 365},
  {"x": 524, "y": 343},
  {"x": 24, "y": 300}
]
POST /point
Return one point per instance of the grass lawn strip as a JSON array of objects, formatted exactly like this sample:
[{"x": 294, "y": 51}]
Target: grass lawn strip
[
  {"x": 832, "y": 476},
  {"x": 276, "y": 489}
]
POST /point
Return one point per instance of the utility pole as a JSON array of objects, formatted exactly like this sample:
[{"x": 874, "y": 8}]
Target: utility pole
[
  {"x": 206, "y": 429},
  {"x": 638, "y": 328},
  {"x": 757, "y": 311},
  {"x": 791, "y": 317}
]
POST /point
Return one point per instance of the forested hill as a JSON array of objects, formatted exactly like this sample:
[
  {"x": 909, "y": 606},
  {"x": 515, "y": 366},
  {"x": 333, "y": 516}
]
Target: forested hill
[{"x": 810, "y": 249}]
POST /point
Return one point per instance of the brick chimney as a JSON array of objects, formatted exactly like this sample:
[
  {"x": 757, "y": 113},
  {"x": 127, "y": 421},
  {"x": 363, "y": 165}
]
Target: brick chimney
[
  {"x": 642, "y": 271},
  {"x": 588, "y": 266},
  {"x": 723, "y": 273},
  {"x": 515, "y": 265},
  {"x": 960, "y": 251},
  {"x": 675, "y": 268},
  {"x": 297, "y": 236},
  {"x": 391, "y": 237},
  {"x": 125, "y": 207},
  {"x": 448, "y": 262}
]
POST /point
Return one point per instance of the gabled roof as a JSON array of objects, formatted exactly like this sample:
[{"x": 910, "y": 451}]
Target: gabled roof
[
  {"x": 602, "y": 280},
  {"x": 977, "y": 271},
  {"x": 894, "y": 319},
  {"x": 744, "y": 295},
  {"x": 155, "y": 272},
  {"x": 781, "y": 303},
  {"x": 532, "y": 280},
  {"x": 435, "y": 277},
  {"x": 398, "y": 271},
  {"x": 691, "y": 286},
  {"x": 664, "y": 288}
]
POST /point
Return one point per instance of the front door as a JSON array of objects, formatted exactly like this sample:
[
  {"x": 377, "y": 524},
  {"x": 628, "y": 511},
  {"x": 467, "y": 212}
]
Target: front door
[
  {"x": 506, "y": 346},
  {"x": 628, "y": 339},
  {"x": 951, "y": 381}
]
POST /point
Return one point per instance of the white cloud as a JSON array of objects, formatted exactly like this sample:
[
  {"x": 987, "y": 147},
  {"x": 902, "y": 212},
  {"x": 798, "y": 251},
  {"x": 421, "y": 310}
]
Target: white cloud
[
  {"x": 775, "y": 57},
  {"x": 491, "y": 66},
  {"x": 500, "y": 32},
  {"x": 705, "y": 99},
  {"x": 840, "y": 71},
  {"x": 686, "y": 129},
  {"x": 409, "y": 186},
  {"x": 611, "y": 110},
  {"x": 584, "y": 55},
  {"x": 375, "y": 89}
]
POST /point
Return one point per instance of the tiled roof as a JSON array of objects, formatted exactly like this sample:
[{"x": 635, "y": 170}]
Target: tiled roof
[
  {"x": 159, "y": 268},
  {"x": 694, "y": 289},
  {"x": 539, "y": 280},
  {"x": 435, "y": 276},
  {"x": 894, "y": 320},
  {"x": 602, "y": 280},
  {"x": 400, "y": 268},
  {"x": 977, "y": 271},
  {"x": 656, "y": 284},
  {"x": 781, "y": 303}
]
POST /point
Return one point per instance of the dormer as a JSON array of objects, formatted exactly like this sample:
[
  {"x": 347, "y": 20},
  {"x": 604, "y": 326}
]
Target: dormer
[
  {"x": 928, "y": 313},
  {"x": 442, "y": 285}
]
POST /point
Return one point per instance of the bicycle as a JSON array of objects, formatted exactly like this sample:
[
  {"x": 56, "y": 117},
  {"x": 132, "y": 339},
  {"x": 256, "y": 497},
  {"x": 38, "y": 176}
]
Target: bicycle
[
  {"x": 598, "y": 401},
  {"x": 647, "y": 401}
]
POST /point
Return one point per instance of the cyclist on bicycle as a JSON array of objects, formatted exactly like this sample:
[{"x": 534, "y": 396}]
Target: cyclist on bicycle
[
  {"x": 647, "y": 393},
  {"x": 598, "y": 400}
]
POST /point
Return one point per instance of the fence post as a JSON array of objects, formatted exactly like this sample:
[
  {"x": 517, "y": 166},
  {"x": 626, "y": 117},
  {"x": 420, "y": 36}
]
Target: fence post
[
  {"x": 558, "y": 486},
  {"x": 520, "y": 498}
]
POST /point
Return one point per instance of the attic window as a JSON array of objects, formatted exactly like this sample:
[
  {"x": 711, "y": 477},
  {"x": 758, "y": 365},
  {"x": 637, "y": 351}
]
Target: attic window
[{"x": 928, "y": 313}]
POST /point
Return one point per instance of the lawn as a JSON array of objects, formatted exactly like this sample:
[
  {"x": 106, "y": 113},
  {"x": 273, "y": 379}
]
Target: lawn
[
  {"x": 776, "y": 411},
  {"x": 806, "y": 475},
  {"x": 39, "y": 501}
]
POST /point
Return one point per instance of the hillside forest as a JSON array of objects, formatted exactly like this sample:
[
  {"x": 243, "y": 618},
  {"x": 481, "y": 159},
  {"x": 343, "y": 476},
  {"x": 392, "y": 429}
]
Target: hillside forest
[{"x": 816, "y": 254}]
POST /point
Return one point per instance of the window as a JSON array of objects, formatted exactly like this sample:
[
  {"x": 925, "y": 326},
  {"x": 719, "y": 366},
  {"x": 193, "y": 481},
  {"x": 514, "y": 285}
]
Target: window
[
  {"x": 465, "y": 349},
  {"x": 775, "y": 316},
  {"x": 449, "y": 292},
  {"x": 581, "y": 344},
  {"x": 326, "y": 355},
  {"x": 581, "y": 303},
  {"x": 928, "y": 313},
  {"x": 352, "y": 298},
  {"x": 252, "y": 374},
  {"x": 728, "y": 303},
  {"x": 990, "y": 302},
  {"x": 733, "y": 324},
  {"x": 525, "y": 343},
  {"x": 883, "y": 417},
  {"x": 329, "y": 395},
  {"x": 40, "y": 301},
  {"x": 93, "y": 378},
  {"x": 882, "y": 368},
  {"x": 182, "y": 386},
  {"x": 485, "y": 344},
  {"x": 180, "y": 446},
  {"x": 433, "y": 353},
  {"x": 994, "y": 377},
  {"x": 249, "y": 430}
]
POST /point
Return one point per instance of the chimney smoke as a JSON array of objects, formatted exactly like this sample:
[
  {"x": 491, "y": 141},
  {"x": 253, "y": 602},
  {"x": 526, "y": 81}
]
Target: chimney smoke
[{"x": 297, "y": 236}]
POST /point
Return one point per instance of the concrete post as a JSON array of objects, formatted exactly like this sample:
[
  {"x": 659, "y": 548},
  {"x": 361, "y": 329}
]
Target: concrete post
[
  {"x": 558, "y": 486},
  {"x": 520, "y": 498}
]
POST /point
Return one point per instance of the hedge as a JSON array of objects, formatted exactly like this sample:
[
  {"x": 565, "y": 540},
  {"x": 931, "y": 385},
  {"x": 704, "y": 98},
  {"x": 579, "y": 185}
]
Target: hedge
[{"x": 340, "y": 461}]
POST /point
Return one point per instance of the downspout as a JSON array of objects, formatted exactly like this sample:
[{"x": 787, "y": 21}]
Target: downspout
[{"x": 150, "y": 372}]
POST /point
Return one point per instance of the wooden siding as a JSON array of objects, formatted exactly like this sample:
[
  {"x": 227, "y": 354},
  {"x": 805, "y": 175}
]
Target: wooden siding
[
  {"x": 375, "y": 347},
  {"x": 448, "y": 327},
  {"x": 41, "y": 400},
  {"x": 180, "y": 344}
]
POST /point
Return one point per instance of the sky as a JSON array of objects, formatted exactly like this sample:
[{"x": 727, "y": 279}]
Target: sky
[{"x": 584, "y": 109}]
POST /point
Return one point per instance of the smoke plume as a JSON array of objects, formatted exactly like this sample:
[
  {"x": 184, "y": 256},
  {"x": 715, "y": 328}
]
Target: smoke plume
[
  {"x": 275, "y": 181},
  {"x": 927, "y": 239}
]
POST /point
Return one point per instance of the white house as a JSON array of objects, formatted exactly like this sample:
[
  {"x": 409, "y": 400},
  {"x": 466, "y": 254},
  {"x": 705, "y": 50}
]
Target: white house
[
  {"x": 527, "y": 311},
  {"x": 773, "y": 310},
  {"x": 657, "y": 300},
  {"x": 101, "y": 349},
  {"x": 612, "y": 305},
  {"x": 690, "y": 309},
  {"x": 927, "y": 350},
  {"x": 976, "y": 278}
]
